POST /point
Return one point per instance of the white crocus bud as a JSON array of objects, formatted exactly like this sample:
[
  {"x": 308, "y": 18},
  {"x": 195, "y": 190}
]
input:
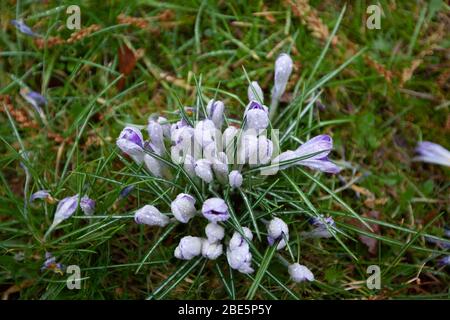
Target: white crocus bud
[
  {"x": 165, "y": 124},
  {"x": 277, "y": 229},
  {"x": 238, "y": 252},
  {"x": 156, "y": 134},
  {"x": 265, "y": 150},
  {"x": 131, "y": 142},
  {"x": 189, "y": 165},
  {"x": 248, "y": 149},
  {"x": 153, "y": 165},
  {"x": 229, "y": 142},
  {"x": 204, "y": 132},
  {"x": 215, "y": 110},
  {"x": 300, "y": 273},
  {"x": 257, "y": 116},
  {"x": 214, "y": 232},
  {"x": 151, "y": 216},
  {"x": 235, "y": 179},
  {"x": 188, "y": 248},
  {"x": 255, "y": 92},
  {"x": 283, "y": 70},
  {"x": 210, "y": 250},
  {"x": 183, "y": 207},
  {"x": 203, "y": 170},
  {"x": 220, "y": 167}
]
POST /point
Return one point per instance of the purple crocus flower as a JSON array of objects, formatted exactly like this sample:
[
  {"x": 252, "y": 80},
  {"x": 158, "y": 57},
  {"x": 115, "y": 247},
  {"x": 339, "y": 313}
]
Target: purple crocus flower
[
  {"x": 87, "y": 205},
  {"x": 315, "y": 151},
  {"x": 445, "y": 261},
  {"x": 255, "y": 92},
  {"x": 188, "y": 248},
  {"x": 215, "y": 210},
  {"x": 235, "y": 179},
  {"x": 257, "y": 116},
  {"x": 321, "y": 230},
  {"x": 41, "y": 194},
  {"x": 126, "y": 191},
  {"x": 432, "y": 153},
  {"x": 277, "y": 229},
  {"x": 22, "y": 27},
  {"x": 151, "y": 216},
  {"x": 238, "y": 251},
  {"x": 131, "y": 142},
  {"x": 156, "y": 133},
  {"x": 65, "y": 209},
  {"x": 35, "y": 99},
  {"x": 300, "y": 273},
  {"x": 51, "y": 264},
  {"x": 183, "y": 207}
]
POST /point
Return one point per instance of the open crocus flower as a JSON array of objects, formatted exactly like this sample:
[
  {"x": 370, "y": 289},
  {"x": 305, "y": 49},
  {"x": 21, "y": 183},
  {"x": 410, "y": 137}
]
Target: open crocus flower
[
  {"x": 87, "y": 205},
  {"x": 256, "y": 115},
  {"x": 215, "y": 210},
  {"x": 432, "y": 153},
  {"x": 131, "y": 142},
  {"x": 151, "y": 216},
  {"x": 183, "y": 207},
  {"x": 300, "y": 273},
  {"x": 188, "y": 248},
  {"x": 215, "y": 111},
  {"x": 315, "y": 151},
  {"x": 22, "y": 27},
  {"x": 277, "y": 229}
]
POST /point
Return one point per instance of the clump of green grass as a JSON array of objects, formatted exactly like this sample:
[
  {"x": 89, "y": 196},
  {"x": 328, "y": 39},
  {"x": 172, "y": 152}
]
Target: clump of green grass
[{"x": 375, "y": 124}]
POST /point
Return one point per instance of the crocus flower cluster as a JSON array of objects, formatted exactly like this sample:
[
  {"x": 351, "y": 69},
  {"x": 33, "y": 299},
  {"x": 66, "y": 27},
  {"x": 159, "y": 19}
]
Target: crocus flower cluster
[{"x": 212, "y": 153}]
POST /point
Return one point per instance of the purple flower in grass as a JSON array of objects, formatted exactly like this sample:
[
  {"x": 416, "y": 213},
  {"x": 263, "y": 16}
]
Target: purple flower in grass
[
  {"x": 41, "y": 194},
  {"x": 214, "y": 232},
  {"x": 321, "y": 230},
  {"x": 131, "y": 142},
  {"x": 151, "y": 216},
  {"x": 215, "y": 110},
  {"x": 283, "y": 70},
  {"x": 445, "y": 261},
  {"x": 51, "y": 264},
  {"x": 255, "y": 92},
  {"x": 35, "y": 99},
  {"x": 315, "y": 153},
  {"x": 183, "y": 207},
  {"x": 432, "y": 153},
  {"x": 156, "y": 134},
  {"x": 87, "y": 205},
  {"x": 188, "y": 248},
  {"x": 256, "y": 115},
  {"x": 215, "y": 210},
  {"x": 235, "y": 179},
  {"x": 22, "y": 27},
  {"x": 277, "y": 229},
  {"x": 300, "y": 273},
  {"x": 203, "y": 170},
  {"x": 65, "y": 209},
  {"x": 238, "y": 252},
  {"x": 212, "y": 250},
  {"x": 126, "y": 191}
]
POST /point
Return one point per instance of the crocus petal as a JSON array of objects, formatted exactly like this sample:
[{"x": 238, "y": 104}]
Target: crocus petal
[
  {"x": 317, "y": 147},
  {"x": 188, "y": 248},
  {"x": 215, "y": 110},
  {"x": 432, "y": 153},
  {"x": 151, "y": 216},
  {"x": 255, "y": 92},
  {"x": 277, "y": 229},
  {"x": 321, "y": 165},
  {"x": 203, "y": 170},
  {"x": 300, "y": 273},
  {"x": 283, "y": 69},
  {"x": 22, "y": 27},
  {"x": 205, "y": 132},
  {"x": 256, "y": 115},
  {"x": 215, "y": 210},
  {"x": 210, "y": 250},
  {"x": 41, "y": 194},
  {"x": 131, "y": 142},
  {"x": 153, "y": 165},
  {"x": 235, "y": 179},
  {"x": 214, "y": 232},
  {"x": 183, "y": 207},
  {"x": 156, "y": 134},
  {"x": 65, "y": 209},
  {"x": 87, "y": 205}
]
